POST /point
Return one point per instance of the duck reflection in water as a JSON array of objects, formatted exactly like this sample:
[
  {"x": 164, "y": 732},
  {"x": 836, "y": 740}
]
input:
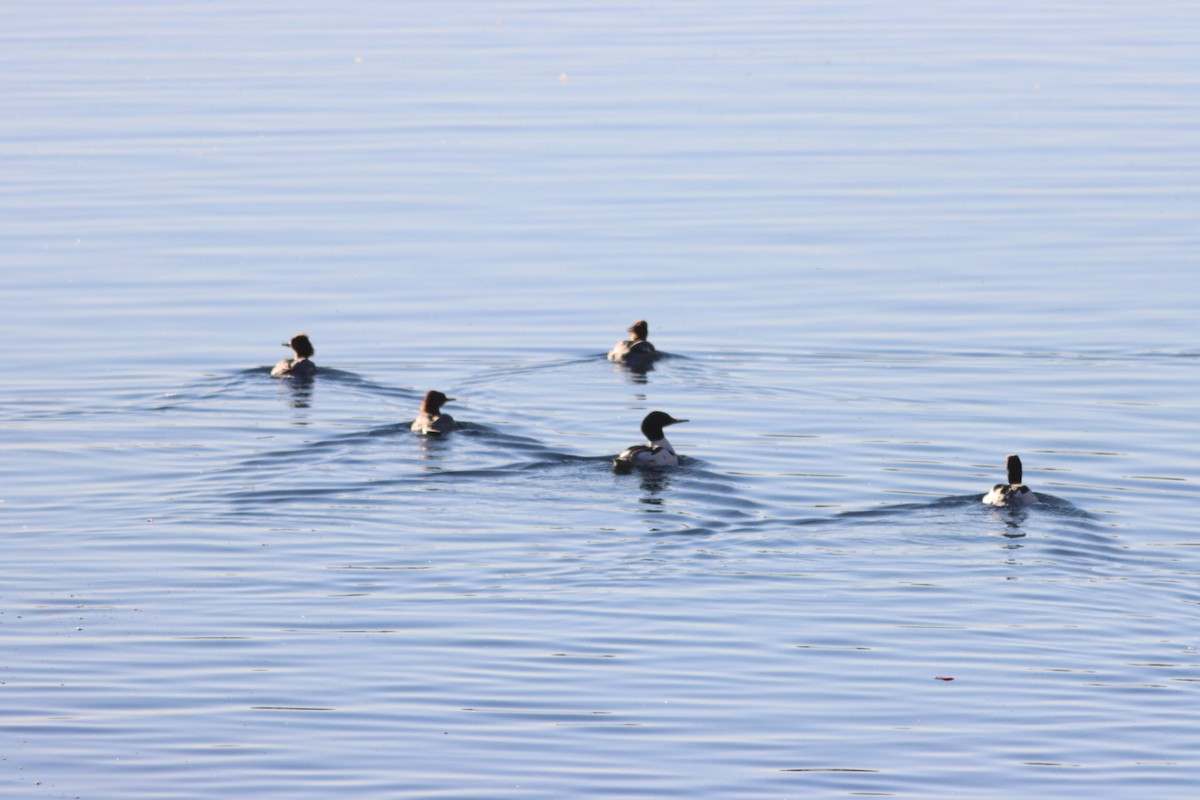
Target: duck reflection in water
[
  {"x": 301, "y": 392},
  {"x": 653, "y": 483},
  {"x": 1012, "y": 523}
]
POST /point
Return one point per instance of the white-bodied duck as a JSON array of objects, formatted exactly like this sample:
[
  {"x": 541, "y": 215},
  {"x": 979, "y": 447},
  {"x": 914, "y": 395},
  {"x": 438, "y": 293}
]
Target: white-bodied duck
[{"x": 655, "y": 455}]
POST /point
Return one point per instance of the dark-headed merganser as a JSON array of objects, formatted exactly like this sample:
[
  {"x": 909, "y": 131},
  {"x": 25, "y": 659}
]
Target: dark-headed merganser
[
  {"x": 431, "y": 419},
  {"x": 1014, "y": 493},
  {"x": 658, "y": 453},
  {"x": 636, "y": 349},
  {"x": 300, "y": 366}
]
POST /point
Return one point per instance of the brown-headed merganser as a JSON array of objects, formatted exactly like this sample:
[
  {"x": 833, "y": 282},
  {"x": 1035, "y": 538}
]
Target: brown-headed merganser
[
  {"x": 300, "y": 366},
  {"x": 431, "y": 419},
  {"x": 636, "y": 349}
]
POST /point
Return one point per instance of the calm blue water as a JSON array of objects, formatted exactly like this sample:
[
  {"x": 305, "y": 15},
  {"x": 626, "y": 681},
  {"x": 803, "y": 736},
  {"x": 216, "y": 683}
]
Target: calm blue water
[{"x": 884, "y": 246}]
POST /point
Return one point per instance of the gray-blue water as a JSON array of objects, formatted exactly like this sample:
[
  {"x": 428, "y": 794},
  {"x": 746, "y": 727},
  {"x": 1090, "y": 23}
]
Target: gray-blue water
[{"x": 884, "y": 246}]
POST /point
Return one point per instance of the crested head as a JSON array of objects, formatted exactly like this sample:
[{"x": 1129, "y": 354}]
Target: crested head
[
  {"x": 654, "y": 422},
  {"x": 433, "y": 402},
  {"x": 1015, "y": 475},
  {"x": 301, "y": 345},
  {"x": 639, "y": 329}
]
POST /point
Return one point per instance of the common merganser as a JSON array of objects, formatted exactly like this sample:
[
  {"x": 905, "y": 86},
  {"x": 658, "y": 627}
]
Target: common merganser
[
  {"x": 658, "y": 453},
  {"x": 636, "y": 349},
  {"x": 300, "y": 366},
  {"x": 431, "y": 419},
  {"x": 1014, "y": 493}
]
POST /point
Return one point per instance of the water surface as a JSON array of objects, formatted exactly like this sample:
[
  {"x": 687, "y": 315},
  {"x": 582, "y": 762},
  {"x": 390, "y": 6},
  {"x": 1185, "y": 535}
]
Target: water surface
[{"x": 884, "y": 247}]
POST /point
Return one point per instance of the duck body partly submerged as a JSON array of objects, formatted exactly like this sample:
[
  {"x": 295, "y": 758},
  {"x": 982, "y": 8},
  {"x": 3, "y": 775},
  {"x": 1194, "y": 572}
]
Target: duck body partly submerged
[
  {"x": 636, "y": 350},
  {"x": 300, "y": 366},
  {"x": 431, "y": 419},
  {"x": 633, "y": 353},
  {"x": 658, "y": 454},
  {"x": 1013, "y": 494}
]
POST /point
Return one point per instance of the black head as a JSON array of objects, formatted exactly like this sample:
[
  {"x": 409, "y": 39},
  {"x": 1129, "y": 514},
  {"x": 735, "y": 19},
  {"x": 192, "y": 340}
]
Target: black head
[
  {"x": 301, "y": 345},
  {"x": 655, "y": 421},
  {"x": 639, "y": 329},
  {"x": 1014, "y": 470}
]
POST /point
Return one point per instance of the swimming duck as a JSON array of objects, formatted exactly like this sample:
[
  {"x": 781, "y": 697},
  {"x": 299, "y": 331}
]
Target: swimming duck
[
  {"x": 1014, "y": 493},
  {"x": 658, "y": 453},
  {"x": 431, "y": 419},
  {"x": 300, "y": 366},
  {"x": 636, "y": 349}
]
